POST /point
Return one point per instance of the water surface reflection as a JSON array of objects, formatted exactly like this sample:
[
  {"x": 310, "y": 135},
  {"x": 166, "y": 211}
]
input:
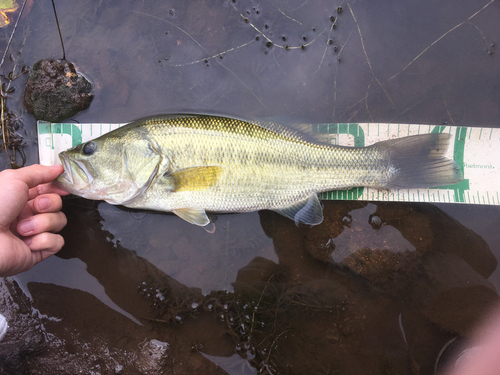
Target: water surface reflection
[{"x": 296, "y": 311}]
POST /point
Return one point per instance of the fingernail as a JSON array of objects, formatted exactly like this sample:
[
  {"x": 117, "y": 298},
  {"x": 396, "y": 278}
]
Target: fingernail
[
  {"x": 44, "y": 203},
  {"x": 26, "y": 226},
  {"x": 27, "y": 241}
]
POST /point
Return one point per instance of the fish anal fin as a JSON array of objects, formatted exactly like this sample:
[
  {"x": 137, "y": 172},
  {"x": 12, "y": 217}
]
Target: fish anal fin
[
  {"x": 194, "y": 178},
  {"x": 196, "y": 216},
  {"x": 308, "y": 211}
]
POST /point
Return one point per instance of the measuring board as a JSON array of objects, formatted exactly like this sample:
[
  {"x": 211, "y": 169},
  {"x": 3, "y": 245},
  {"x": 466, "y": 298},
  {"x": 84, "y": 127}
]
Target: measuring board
[{"x": 474, "y": 149}]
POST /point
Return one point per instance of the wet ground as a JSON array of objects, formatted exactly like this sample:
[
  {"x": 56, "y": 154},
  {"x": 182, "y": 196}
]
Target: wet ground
[{"x": 376, "y": 288}]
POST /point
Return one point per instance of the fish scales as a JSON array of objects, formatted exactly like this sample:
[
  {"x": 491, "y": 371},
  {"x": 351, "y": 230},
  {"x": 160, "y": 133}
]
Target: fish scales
[
  {"x": 261, "y": 168},
  {"x": 190, "y": 164}
]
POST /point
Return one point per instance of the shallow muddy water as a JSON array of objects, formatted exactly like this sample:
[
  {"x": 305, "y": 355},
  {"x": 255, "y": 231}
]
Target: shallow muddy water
[{"x": 376, "y": 288}]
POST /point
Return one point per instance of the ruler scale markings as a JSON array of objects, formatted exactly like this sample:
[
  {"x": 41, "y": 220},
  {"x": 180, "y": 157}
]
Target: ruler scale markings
[{"x": 481, "y": 167}]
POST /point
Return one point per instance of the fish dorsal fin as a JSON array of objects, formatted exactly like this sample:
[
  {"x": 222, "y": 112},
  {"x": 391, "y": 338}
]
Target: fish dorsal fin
[
  {"x": 308, "y": 211},
  {"x": 193, "y": 178},
  {"x": 192, "y": 215},
  {"x": 302, "y": 130}
]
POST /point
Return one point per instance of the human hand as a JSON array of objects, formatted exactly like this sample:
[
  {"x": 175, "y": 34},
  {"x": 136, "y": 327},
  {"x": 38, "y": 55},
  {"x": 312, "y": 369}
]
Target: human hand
[
  {"x": 481, "y": 355},
  {"x": 30, "y": 217}
]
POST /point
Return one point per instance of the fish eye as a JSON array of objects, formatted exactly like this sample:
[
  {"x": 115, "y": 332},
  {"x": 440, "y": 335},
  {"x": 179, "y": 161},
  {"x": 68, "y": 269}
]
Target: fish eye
[{"x": 89, "y": 148}]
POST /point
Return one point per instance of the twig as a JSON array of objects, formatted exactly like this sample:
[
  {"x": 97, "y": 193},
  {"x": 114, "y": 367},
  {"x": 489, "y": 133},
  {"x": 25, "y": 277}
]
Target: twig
[
  {"x": 59, "y": 29},
  {"x": 12, "y": 34}
]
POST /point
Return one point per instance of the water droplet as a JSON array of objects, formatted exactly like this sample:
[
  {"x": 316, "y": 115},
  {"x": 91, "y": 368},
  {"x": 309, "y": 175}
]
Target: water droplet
[
  {"x": 332, "y": 18},
  {"x": 210, "y": 307},
  {"x": 375, "y": 222},
  {"x": 226, "y": 307},
  {"x": 347, "y": 220},
  {"x": 194, "y": 305},
  {"x": 262, "y": 324},
  {"x": 138, "y": 215},
  {"x": 178, "y": 319}
]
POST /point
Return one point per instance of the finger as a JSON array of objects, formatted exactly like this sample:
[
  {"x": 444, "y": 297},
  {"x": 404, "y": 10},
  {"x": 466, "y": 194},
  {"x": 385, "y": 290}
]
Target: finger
[
  {"x": 46, "y": 203},
  {"x": 47, "y": 222},
  {"x": 44, "y": 245},
  {"x": 46, "y": 189},
  {"x": 26, "y": 213},
  {"x": 38, "y": 174}
]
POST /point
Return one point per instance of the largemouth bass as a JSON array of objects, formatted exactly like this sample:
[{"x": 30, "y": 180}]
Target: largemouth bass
[{"x": 191, "y": 164}]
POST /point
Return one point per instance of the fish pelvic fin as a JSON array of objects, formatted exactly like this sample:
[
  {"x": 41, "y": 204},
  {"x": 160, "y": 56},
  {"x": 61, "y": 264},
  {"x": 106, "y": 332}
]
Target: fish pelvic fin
[
  {"x": 196, "y": 216},
  {"x": 194, "y": 178},
  {"x": 419, "y": 162},
  {"x": 308, "y": 211}
]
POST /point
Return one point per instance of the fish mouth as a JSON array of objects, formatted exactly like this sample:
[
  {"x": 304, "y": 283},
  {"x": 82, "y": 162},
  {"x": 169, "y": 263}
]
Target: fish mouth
[{"x": 76, "y": 178}]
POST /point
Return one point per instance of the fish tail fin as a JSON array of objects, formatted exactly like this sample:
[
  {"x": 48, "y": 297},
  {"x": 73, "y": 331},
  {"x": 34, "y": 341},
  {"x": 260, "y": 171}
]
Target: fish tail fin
[{"x": 420, "y": 162}]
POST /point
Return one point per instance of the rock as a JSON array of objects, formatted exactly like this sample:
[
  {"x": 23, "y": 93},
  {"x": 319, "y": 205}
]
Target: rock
[{"x": 55, "y": 91}]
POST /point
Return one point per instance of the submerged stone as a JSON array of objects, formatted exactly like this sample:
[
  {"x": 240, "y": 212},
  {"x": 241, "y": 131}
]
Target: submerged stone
[{"x": 55, "y": 91}]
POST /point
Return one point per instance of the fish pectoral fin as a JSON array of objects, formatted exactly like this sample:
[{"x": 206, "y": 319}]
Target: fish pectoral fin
[
  {"x": 308, "y": 211},
  {"x": 194, "y": 178},
  {"x": 196, "y": 216}
]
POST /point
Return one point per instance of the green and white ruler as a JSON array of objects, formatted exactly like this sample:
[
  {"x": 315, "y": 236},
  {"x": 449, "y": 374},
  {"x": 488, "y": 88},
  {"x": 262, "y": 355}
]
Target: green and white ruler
[{"x": 476, "y": 150}]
